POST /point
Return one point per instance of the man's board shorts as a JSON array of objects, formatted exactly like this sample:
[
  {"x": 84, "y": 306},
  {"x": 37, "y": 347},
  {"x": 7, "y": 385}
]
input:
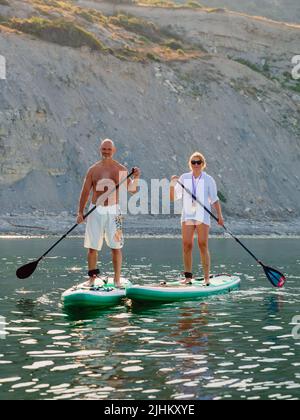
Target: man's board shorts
[{"x": 104, "y": 223}]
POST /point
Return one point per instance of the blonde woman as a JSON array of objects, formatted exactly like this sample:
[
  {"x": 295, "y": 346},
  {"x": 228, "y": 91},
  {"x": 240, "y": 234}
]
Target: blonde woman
[{"x": 194, "y": 218}]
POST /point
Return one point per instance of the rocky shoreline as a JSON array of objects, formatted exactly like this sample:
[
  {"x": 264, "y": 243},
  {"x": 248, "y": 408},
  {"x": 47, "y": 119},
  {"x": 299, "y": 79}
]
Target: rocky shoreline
[{"x": 38, "y": 224}]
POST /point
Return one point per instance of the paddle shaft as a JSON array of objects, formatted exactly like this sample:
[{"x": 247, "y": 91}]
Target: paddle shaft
[
  {"x": 224, "y": 227},
  {"x": 85, "y": 216}
]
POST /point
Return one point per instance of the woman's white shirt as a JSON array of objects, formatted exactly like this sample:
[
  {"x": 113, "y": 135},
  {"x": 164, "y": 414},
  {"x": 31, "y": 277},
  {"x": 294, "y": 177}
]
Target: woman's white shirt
[{"x": 206, "y": 193}]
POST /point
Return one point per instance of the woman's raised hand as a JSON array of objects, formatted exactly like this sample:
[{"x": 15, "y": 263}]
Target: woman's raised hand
[{"x": 174, "y": 180}]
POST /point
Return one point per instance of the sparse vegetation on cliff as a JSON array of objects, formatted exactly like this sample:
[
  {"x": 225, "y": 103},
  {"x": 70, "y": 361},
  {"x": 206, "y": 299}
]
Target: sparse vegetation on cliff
[
  {"x": 130, "y": 37},
  {"x": 168, "y": 4},
  {"x": 138, "y": 26},
  {"x": 57, "y": 31}
]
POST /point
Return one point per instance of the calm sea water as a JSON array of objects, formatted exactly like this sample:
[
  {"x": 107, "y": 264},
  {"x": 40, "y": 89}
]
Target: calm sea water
[{"x": 232, "y": 346}]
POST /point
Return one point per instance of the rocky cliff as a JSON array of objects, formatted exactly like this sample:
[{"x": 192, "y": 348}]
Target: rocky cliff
[
  {"x": 281, "y": 10},
  {"x": 162, "y": 82}
]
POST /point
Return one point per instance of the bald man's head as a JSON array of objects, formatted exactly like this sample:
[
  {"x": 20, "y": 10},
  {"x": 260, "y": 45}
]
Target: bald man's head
[
  {"x": 107, "y": 141},
  {"x": 107, "y": 149}
]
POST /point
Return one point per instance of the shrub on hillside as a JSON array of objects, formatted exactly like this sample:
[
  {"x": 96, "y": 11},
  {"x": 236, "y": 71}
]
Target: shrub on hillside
[
  {"x": 137, "y": 25},
  {"x": 123, "y": 2},
  {"x": 173, "y": 44},
  {"x": 57, "y": 31}
]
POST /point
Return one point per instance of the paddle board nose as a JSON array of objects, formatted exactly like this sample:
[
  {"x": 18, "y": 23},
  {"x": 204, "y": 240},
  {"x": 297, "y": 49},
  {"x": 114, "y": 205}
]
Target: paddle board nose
[{"x": 103, "y": 294}]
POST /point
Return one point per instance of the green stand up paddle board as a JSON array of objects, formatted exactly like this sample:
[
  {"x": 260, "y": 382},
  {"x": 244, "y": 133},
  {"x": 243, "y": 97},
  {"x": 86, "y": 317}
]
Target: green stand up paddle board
[
  {"x": 103, "y": 294},
  {"x": 175, "y": 291}
]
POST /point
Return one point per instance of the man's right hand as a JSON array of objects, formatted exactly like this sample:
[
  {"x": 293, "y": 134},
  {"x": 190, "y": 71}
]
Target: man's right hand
[{"x": 80, "y": 218}]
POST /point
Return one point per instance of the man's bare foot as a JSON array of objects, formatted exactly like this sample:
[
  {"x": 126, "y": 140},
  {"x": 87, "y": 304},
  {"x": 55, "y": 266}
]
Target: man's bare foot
[
  {"x": 186, "y": 282},
  {"x": 93, "y": 276},
  {"x": 188, "y": 279},
  {"x": 90, "y": 282}
]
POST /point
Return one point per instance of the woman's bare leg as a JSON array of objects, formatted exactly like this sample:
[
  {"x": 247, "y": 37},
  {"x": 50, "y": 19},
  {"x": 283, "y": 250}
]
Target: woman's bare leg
[
  {"x": 203, "y": 238},
  {"x": 188, "y": 232}
]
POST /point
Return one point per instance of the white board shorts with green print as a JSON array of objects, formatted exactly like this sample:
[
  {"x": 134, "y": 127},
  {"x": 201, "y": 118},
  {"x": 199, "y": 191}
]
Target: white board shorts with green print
[{"x": 105, "y": 223}]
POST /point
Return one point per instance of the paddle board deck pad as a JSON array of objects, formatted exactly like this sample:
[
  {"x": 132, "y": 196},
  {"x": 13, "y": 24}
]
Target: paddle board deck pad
[
  {"x": 103, "y": 294},
  {"x": 175, "y": 291}
]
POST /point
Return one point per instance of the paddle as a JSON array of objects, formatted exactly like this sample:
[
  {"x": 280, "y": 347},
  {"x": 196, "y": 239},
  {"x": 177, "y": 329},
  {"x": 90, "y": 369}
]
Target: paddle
[
  {"x": 28, "y": 269},
  {"x": 276, "y": 278}
]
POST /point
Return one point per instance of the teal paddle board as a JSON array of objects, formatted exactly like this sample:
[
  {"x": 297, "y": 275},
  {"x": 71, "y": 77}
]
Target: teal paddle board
[
  {"x": 103, "y": 294},
  {"x": 175, "y": 291}
]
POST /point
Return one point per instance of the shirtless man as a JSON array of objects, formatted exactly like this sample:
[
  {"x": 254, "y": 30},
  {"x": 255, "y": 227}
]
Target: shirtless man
[{"x": 106, "y": 221}]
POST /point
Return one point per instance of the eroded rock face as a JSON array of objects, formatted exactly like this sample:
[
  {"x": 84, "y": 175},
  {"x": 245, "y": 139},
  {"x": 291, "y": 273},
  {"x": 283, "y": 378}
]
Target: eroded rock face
[
  {"x": 283, "y": 10},
  {"x": 58, "y": 102}
]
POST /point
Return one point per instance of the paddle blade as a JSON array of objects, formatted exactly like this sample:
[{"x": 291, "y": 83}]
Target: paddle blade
[
  {"x": 275, "y": 277},
  {"x": 27, "y": 270}
]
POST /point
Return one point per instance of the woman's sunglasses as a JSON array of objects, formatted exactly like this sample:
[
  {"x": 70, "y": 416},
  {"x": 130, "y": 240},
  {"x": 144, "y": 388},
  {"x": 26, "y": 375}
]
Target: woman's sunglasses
[{"x": 196, "y": 162}]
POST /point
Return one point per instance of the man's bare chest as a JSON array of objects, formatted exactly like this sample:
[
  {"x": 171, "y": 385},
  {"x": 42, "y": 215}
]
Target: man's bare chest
[{"x": 101, "y": 175}]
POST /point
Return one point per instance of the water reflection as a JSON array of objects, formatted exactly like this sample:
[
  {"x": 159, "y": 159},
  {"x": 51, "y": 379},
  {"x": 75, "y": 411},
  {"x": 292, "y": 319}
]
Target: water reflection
[
  {"x": 86, "y": 313},
  {"x": 274, "y": 304},
  {"x": 232, "y": 346},
  {"x": 27, "y": 306}
]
